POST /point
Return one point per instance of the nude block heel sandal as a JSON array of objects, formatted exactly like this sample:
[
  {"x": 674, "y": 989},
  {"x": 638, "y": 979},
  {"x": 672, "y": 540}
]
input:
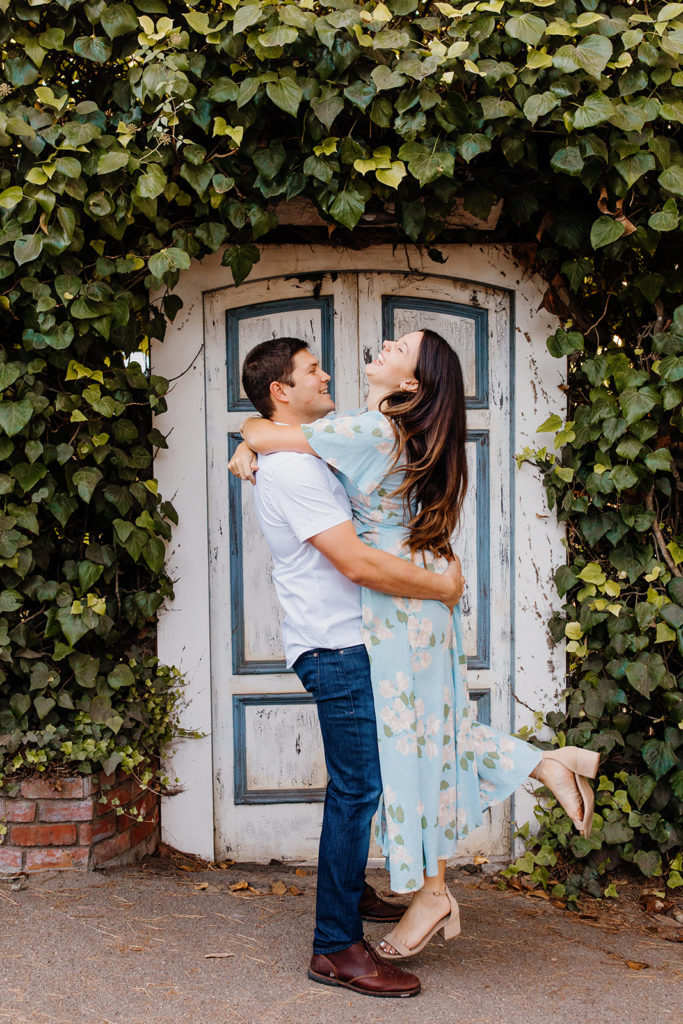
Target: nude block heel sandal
[
  {"x": 584, "y": 764},
  {"x": 450, "y": 925}
]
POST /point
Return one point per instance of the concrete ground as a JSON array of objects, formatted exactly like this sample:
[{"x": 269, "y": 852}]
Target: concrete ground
[{"x": 159, "y": 944}]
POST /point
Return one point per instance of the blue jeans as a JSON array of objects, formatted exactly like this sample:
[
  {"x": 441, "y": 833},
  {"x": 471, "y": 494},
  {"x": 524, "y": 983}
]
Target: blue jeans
[{"x": 339, "y": 681}]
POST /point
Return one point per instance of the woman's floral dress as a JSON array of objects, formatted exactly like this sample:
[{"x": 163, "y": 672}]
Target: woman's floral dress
[{"x": 441, "y": 769}]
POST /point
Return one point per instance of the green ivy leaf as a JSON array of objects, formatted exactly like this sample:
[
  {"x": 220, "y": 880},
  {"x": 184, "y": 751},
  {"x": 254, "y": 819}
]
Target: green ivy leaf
[
  {"x": 348, "y": 207},
  {"x": 538, "y": 105},
  {"x": 95, "y": 48},
  {"x": 424, "y": 164},
  {"x": 121, "y": 676},
  {"x": 665, "y": 219},
  {"x": 645, "y": 676},
  {"x": 604, "y": 231},
  {"x": 281, "y": 35},
  {"x": 528, "y": 28},
  {"x": 240, "y": 259},
  {"x": 113, "y": 160},
  {"x": 672, "y": 179},
  {"x": 593, "y": 53},
  {"x": 637, "y": 402},
  {"x": 168, "y": 259},
  {"x": 15, "y": 415},
  {"x": 86, "y": 481},
  {"x": 286, "y": 94},
  {"x": 119, "y": 19},
  {"x": 595, "y": 110},
  {"x": 247, "y": 15},
  {"x": 28, "y": 248},
  {"x": 659, "y": 756}
]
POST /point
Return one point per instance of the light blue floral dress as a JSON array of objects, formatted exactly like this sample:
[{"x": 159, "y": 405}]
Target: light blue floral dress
[{"x": 441, "y": 769}]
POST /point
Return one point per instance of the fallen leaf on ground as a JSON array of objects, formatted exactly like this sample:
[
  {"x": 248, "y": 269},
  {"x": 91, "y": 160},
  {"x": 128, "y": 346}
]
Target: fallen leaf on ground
[
  {"x": 636, "y": 965},
  {"x": 252, "y": 889},
  {"x": 539, "y": 894},
  {"x": 654, "y": 904},
  {"x": 302, "y": 871},
  {"x": 295, "y": 891},
  {"x": 278, "y": 888},
  {"x": 188, "y": 867},
  {"x": 480, "y": 860},
  {"x": 217, "y": 956},
  {"x": 200, "y": 886},
  {"x": 225, "y": 864},
  {"x": 238, "y": 886}
]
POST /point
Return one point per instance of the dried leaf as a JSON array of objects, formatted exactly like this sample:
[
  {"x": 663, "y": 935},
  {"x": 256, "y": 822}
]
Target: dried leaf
[
  {"x": 188, "y": 867},
  {"x": 480, "y": 860},
  {"x": 302, "y": 872},
  {"x": 295, "y": 891},
  {"x": 539, "y": 894},
  {"x": 654, "y": 904},
  {"x": 278, "y": 888},
  {"x": 239, "y": 886},
  {"x": 636, "y": 965},
  {"x": 201, "y": 886},
  {"x": 252, "y": 889},
  {"x": 224, "y": 864}
]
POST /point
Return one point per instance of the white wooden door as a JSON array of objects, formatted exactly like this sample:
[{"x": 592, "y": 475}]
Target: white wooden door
[{"x": 268, "y": 763}]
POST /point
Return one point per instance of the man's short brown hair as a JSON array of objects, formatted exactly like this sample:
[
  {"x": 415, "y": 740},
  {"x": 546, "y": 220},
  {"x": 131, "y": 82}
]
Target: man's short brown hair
[{"x": 270, "y": 361}]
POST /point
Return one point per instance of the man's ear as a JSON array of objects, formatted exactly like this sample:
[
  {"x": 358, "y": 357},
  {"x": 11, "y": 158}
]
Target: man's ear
[
  {"x": 408, "y": 385},
  {"x": 277, "y": 392}
]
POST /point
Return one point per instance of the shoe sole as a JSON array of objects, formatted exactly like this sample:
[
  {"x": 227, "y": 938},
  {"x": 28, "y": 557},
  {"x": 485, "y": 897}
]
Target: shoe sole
[{"x": 322, "y": 980}]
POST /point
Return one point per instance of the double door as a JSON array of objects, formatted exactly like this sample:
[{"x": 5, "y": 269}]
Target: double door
[{"x": 269, "y": 771}]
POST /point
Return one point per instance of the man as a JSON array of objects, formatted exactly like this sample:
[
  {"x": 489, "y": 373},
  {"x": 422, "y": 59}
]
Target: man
[{"x": 319, "y": 564}]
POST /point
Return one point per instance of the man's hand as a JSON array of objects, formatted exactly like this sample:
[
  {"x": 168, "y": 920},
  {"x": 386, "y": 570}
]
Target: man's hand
[
  {"x": 454, "y": 583},
  {"x": 244, "y": 463}
]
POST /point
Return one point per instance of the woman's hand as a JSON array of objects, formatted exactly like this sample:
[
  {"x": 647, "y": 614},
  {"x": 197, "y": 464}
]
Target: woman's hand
[{"x": 244, "y": 463}]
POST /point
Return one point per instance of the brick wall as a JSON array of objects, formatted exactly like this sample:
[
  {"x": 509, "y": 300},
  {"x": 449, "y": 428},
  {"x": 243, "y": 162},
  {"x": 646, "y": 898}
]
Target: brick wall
[{"x": 65, "y": 823}]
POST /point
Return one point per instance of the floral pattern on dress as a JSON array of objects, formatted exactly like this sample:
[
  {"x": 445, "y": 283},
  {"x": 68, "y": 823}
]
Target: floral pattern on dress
[{"x": 441, "y": 769}]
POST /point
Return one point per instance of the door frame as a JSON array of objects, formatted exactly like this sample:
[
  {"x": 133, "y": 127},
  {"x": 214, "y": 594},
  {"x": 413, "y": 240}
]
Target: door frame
[{"x": 183, "y": 637}]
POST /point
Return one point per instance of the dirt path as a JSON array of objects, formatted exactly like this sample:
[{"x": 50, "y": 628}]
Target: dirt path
[{"x": 162, "y": 945}]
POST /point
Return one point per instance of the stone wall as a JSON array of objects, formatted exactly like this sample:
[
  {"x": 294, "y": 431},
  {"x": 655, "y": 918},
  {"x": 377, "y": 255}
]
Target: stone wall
[{"x": 81, "y": 822}]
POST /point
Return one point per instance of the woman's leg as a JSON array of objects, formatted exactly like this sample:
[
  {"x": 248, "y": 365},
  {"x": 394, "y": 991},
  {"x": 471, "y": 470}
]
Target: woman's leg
[{"x": 428, "y": 906}]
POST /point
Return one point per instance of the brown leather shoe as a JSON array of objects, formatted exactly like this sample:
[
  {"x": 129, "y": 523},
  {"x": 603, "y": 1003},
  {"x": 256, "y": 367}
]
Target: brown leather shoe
[
  {"x": 361, "y": 969},
  {"x": 373, "y": 908}
]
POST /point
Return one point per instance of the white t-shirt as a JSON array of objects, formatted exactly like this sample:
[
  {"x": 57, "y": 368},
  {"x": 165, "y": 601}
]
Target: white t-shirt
[{"x": 296, "y": 496}]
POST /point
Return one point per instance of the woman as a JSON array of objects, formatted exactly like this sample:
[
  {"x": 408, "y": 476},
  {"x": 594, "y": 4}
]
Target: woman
[{"x": 404, "y": 467}]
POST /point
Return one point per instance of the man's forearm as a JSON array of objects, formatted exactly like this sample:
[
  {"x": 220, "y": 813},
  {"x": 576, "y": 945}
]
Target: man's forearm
[{"x": 378, "y": 570}]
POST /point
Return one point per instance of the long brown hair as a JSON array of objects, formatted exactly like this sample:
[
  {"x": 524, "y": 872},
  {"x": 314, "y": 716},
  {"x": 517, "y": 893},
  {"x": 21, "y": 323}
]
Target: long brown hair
[{"x": 430, "y": 427}]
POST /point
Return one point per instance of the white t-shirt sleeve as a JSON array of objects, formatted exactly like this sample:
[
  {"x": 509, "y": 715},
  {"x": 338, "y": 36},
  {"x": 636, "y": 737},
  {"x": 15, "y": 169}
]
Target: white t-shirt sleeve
[{"x": 306, "y": 498}]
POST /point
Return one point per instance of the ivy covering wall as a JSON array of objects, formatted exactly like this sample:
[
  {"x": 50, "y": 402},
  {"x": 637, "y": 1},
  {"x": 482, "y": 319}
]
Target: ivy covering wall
[{"x": 136, "y": 137}]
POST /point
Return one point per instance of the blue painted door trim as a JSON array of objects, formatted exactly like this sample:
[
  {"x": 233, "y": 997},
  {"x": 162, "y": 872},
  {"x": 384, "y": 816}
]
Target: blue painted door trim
[
  {"x": 482, "y": 488},
  {"x": 480, "y": 317},
  {"x": 241, "y": 666},
  {"x": 233, "y": 318},
  {"x": 243, "y": 795}
]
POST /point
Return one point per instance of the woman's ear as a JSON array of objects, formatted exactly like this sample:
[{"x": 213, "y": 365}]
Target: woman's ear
[{"x": 408, "y": 385}]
